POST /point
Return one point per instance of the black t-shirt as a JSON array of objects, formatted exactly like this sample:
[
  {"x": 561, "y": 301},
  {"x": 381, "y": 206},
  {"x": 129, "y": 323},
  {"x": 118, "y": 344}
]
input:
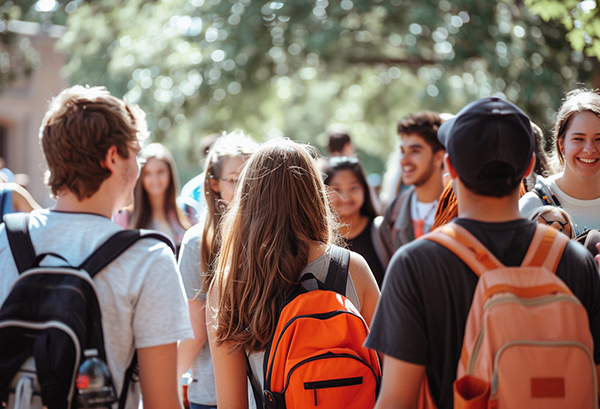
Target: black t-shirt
[
  {"x": 427, "y": 294},
  {"x": 363, "y": 245}
]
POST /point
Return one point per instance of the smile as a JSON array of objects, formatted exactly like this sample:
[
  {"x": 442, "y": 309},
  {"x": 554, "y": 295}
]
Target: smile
[{"x": 587, "y": 161}]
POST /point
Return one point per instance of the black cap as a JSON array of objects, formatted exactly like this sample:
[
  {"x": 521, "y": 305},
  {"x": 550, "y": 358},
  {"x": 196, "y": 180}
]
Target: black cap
[{"x": 490, "y": 130}]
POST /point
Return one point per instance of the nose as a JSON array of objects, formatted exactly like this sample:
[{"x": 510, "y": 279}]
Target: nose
[{"x": 590, "y": 145}]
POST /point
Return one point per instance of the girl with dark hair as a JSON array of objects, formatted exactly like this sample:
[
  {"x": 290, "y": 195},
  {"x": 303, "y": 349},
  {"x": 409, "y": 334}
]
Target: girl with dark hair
[
  {"x": 155, "y": 195},
  {"x": 278, "y": 227},
  {"x": 350, "y": 198},
  {"x": 576, "y": 137}
]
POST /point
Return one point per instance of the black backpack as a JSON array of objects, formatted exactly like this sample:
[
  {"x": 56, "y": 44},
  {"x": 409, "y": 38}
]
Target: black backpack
[{"x": 52, "y": 314}]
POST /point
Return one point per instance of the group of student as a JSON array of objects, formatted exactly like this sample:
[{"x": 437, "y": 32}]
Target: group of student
[{"x": 275, "y": 211}]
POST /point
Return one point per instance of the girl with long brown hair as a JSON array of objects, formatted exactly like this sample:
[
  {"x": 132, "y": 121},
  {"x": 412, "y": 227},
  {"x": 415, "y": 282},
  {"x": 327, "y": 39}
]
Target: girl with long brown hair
[
  {"x": 279, "y": 227},
  {"x": 224, "y": 163},
  {"x": 155, "y": 195}
]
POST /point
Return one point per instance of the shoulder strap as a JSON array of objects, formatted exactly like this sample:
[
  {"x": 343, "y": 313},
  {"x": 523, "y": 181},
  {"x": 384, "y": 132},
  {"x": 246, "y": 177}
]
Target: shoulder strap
[
  {"x": 337, "y": 273},
  {"x": 546, "y": 248},
  {"x": 466, "y": 246},
  {"x": 256, "y": 389},
  {"x": 116, "y": 245},
  {"x": 543, "y": 192},
  {"x": 17, "y": 232}
]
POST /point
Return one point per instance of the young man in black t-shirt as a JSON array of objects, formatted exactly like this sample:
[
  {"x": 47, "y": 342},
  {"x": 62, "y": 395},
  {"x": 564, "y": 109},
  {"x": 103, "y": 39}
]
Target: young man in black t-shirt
[{"x": 420, "y": 320}]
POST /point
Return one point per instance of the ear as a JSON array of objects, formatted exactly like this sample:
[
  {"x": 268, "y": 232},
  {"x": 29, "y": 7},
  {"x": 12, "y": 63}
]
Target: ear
[
  {"x": 214, "y": 185},
  {"x": 110, "y": 159},
  {"x": 438, "y": 158},
  {"x": 561, "y": 147},
  {"x": 449, "y": 167},
  {"x": 531, "y": 166}
]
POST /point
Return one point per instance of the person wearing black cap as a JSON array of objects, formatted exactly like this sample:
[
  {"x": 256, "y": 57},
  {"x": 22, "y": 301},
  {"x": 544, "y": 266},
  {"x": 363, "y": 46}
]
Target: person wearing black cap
[{"x": 420, "y": 320}]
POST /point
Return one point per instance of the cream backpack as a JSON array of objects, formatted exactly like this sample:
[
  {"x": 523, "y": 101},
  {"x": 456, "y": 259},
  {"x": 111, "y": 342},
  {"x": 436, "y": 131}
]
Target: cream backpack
[{"x": 527, "y": 340}]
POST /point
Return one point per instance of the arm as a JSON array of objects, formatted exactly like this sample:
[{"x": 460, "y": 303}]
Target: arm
[
  {"x": 230, "y": 371},
  {"x": 365, "y": 284},
  {"x": 189, "y": 349},
  {"x": 158, "y": 376},
  {"x": 400, "y": 394},
  {"x": 22, "y": 199}
]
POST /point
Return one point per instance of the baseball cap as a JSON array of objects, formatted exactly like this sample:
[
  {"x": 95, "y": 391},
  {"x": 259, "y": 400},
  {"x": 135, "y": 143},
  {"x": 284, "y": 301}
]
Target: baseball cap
[{"x": 488, "y": 131}]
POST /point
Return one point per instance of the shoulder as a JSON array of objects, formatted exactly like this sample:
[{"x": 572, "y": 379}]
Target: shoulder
[
  {"x": 392, "y": 209},
  {"x": 193, "y": 235},
  {"x": 528, "y": 203}
]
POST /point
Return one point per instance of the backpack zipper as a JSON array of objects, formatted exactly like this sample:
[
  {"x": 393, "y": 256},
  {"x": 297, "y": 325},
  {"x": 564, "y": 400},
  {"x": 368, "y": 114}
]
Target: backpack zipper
[
  {"x": 530, "y": 302},
  {"x": 332, "y": 383},
  {"x": 328, "y": 355}
]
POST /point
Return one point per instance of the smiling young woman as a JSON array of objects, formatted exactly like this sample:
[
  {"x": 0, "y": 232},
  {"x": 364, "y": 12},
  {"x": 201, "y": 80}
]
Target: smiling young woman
[{"x": 577, "y": 144}]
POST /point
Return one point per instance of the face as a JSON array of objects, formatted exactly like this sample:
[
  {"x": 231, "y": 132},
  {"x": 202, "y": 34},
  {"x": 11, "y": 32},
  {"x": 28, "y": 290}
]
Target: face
[
  {"x": 418, "y": 162},
  {"x": 581, "y": 145},
  {"x": 230, "y": 173},
  {"x": 156, "y": 177},
  {"x": 348, "y": 194},
  {"x": 130, "y": 174}
]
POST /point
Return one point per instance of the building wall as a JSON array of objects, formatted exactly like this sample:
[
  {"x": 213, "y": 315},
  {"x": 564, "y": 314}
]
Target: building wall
[{"x": 22, "y": 107}]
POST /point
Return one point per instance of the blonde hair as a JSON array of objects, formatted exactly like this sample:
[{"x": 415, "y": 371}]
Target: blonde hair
[
  {"x": 232, "y": 145},
  {"x": 280, "y": 207}
]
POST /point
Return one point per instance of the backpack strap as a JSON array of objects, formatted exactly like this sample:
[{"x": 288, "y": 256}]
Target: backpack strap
[
  {"x": 466, "y": 246},
  {"x": 546, "y": 248},
  {"x": 542, "y": 190},
  {"x": 17, "y": 232},
  {"x": 337, "y": 273},
  {"x": 116, "y": 245}
]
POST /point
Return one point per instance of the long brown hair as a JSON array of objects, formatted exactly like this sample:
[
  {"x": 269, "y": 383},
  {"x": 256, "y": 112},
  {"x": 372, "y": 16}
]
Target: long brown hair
[
  {"x": 228, "y": 146},
  {"x": 280, "y": 207},
  {"x": 141, "y": 217}
]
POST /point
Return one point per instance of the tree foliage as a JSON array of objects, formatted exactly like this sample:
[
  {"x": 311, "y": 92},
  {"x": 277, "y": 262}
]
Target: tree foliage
[
  {"x": 295, "y": 67},
  {"x": 580, "y": 18}
]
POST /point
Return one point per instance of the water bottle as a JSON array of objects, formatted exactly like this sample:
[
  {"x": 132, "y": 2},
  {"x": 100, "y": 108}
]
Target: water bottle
[{"x": 95, "y": 388}]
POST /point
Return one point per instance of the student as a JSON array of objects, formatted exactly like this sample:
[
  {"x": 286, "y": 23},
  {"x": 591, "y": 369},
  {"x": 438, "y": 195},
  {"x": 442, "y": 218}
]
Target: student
[
  {"x": 155, "y": 194},
  {"x": 351, "y": 200},
  {"x": 577, "y": 143},
  {"x": 224, "y": 163},
  {"x": 412, "y": 212},
  {"x": 91, "y": 142},
  {"x": 278, "y": 227},
  {"x": 420, "y": 320}
]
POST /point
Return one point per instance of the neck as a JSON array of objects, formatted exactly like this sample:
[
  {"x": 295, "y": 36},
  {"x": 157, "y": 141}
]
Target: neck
[
  {"x": 67, "y": 201},
  {"x": 353, "y": 226},
  {"x": 577, "y": 187},
  {"x": 430, "y": 190},
  {"x": 486, "y": 208},
  {"x": 157, "y": 203}
]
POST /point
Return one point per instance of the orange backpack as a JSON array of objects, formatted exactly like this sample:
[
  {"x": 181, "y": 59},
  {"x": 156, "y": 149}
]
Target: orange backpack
[
  {"x": 527, "y": 340},
  {"x": 317, "y": 357}
]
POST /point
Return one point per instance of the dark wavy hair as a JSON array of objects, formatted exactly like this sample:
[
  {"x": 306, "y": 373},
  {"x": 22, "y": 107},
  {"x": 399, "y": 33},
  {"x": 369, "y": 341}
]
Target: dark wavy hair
[{"x": 339, "y": 163}]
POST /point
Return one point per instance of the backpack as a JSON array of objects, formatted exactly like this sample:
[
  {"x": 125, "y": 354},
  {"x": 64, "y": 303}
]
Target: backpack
[
  {"x": 316, "y": 356},
  {"x": 527, "y": 339},
  {"x": 50, "y": 318}
]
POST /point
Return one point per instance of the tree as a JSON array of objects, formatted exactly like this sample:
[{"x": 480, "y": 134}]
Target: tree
[
  {"x": 581, "y": 19},
  {"x": 296, "y": 66}
]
